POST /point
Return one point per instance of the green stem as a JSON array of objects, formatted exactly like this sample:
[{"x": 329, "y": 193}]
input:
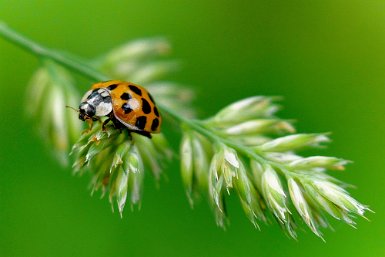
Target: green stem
[
  {"x": 84, "y": 68},
  {"x": 43, "y": 52},
  {"x": 198, "y": 126}
]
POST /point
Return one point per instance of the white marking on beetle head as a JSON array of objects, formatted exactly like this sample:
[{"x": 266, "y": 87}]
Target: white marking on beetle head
[
  {"x": 104, "y": 93},
  {"x": 103, "y": 109},
  {"x": 84, "y": 106}
]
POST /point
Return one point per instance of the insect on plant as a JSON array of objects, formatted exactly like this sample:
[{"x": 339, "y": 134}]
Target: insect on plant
[
  {"x": 126, "y": 104},
  {"x": 244, "y": 149}
]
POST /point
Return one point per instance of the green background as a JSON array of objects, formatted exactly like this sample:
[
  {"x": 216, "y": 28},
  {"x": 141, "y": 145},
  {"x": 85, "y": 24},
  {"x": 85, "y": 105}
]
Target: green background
[{"x": 325, "y": 57}]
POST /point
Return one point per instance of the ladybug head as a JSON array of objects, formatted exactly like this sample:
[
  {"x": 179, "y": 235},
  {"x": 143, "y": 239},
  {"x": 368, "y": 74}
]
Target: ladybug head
[{"x": 86, "y": 111}]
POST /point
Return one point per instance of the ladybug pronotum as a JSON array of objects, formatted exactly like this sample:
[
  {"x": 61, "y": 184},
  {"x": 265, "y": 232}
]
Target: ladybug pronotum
[{"x": 124, "y": 103}]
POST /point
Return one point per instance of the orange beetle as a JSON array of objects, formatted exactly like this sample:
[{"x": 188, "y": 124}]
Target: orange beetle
[{"x": 124, "y": 103}]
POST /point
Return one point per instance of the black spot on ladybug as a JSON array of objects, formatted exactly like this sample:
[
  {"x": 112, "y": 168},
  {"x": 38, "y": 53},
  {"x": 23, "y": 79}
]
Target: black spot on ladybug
[
  {"x": 150, "y": 96},
  {"x": 155, "y": 124},
  {"x": 93, "y": 94},
  {"x": 135, "y": 89},
  {"x": 112, "y": 87},
  {"x": 141, "y": 122},
  {"x": 126, "y": 108},
  {"x": 156, "y": 111},
  {"x": 125, "y": 96},
  {"x": 146, "y": 108},
  {"x": 107, "y": 99}
]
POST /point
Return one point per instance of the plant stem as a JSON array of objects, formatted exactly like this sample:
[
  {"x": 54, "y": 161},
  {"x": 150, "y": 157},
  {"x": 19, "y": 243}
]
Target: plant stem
[
  {"x": 85, "y": 69},
  {"x": 43, "y": 52},
  {"x": 198, "y": 126}
]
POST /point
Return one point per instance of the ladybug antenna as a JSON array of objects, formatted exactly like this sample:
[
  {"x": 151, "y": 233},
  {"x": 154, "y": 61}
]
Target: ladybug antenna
[{"x": 76, "y": 110}]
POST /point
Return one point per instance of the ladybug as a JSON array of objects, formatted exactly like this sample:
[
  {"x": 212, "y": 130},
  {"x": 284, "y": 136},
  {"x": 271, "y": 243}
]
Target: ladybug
[{"x": 126, "y": 104}]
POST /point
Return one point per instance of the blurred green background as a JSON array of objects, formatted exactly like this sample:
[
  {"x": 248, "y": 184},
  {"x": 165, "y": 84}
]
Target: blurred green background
[{"x": 325, "y": 57}]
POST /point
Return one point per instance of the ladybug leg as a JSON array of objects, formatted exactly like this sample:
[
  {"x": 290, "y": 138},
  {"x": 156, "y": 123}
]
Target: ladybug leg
[
  {"x": 90, "y": 125},
  {"x": 105, "y": 123},
  {"x": 129, "y": 134},
  {"x": 117, "y": 124}
]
